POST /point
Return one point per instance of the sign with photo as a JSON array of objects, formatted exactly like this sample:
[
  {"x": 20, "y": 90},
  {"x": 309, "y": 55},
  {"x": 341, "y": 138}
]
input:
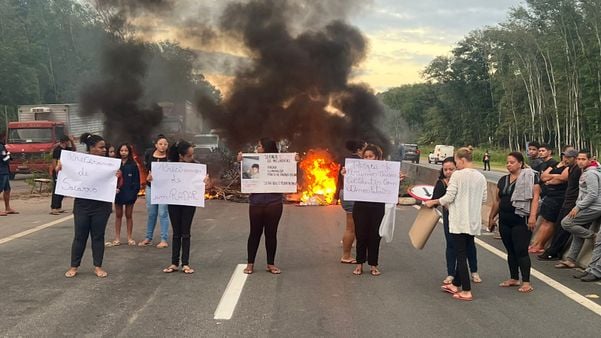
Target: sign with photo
[{"x": 268, "y": 173}]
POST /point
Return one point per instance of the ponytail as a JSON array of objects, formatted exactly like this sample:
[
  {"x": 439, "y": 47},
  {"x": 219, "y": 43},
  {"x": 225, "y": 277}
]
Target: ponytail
[{"x": 89, "y": 140}]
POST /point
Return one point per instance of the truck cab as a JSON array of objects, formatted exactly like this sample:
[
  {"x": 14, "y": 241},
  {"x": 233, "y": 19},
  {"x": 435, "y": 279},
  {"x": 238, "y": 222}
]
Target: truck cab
[{"x": 30, "y": 143}]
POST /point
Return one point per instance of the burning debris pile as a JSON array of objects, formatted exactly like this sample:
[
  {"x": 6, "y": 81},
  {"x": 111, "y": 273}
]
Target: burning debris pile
[{"x": 320, "y": 176}]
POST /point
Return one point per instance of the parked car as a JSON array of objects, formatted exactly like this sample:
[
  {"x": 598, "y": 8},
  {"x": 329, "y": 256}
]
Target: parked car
[
  {"x": 441, "y": 152},
  {"x": 410, "y": 152}
]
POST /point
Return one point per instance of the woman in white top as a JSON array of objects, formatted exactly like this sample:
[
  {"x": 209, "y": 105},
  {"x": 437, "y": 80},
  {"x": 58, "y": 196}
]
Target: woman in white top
[{"x": 465, "y": 195}]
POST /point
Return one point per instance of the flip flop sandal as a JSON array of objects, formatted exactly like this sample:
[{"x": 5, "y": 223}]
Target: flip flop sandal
[
  {"x": 70, "y": 274},
  {"x": 375, "y": 272},
  {"x": 350, "y": 261},
  {"x": 458, "y": 296},
  {"x": 111, "y": 244},
  {"x": 131, "y": 242},
  {"x": 508, "y": 285},
  {"x": 476, "y": 278},
  {"x": 3, "y": 213},
  {"x": 170, "y": 269},
  {"x": 448, "y": 280},
  {"x": 526, "y": 290},
  {"x": 12, "y": 212},
  {"x": 565, "y": 265},
  {"x": 102, "y": 274},
  {"x": 145, "y": 243},
  {"x": 55, "y": 213},
  {"x": 448, "y": 289},
  {"x": 188, "y": 270},
  {"x": 357, "y": 272},
  {"x": 248, "y": 271},
  {"x": 274, "y": 271}
]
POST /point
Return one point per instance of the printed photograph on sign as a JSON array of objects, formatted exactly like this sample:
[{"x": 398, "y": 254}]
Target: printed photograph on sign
[
  {"x": 251, "y": 169},
  {"x": 268, "y": 173}
]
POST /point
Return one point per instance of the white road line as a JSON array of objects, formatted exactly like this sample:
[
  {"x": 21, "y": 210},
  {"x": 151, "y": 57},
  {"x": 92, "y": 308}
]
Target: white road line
[
  {"x": 230, "y": 297},
  {"x": 32, "y": 230},
  {"x": 573, "y": 295}
]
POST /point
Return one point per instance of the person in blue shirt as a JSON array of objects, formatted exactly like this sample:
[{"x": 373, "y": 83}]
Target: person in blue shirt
[{"x": 5, "y": 180}]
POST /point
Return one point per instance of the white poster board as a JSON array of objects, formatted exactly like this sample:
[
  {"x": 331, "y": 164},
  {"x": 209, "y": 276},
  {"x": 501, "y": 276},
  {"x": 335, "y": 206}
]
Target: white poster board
[
  {"x": 178, "y": 183},
  {"x": 87, "y": 176},
  {"x": 268, "y": 173},
  {"x": 371, "y": 181}
]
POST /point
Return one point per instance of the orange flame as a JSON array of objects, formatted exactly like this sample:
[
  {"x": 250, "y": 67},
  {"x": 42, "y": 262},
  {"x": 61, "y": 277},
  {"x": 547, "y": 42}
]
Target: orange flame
[{"x": 320, "y": 175}]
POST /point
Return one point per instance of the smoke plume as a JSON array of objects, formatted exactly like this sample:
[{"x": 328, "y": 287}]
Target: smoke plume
[
  {"x": 117, "y": 95},
  {"x": 297, "y": 87}
]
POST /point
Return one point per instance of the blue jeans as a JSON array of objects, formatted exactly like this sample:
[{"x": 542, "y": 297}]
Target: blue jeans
[
  {"x": 451, "y": 254},
  {"x": 155, "y": 210}
]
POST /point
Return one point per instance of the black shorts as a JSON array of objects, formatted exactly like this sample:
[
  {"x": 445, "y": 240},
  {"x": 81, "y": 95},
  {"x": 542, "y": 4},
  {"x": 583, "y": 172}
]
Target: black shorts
[{"x": 550, "y": 208}]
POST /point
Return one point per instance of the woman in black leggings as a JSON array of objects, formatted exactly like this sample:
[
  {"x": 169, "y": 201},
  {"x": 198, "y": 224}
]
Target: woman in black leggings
[
  {"x": 515, "y": 226},
  {"x": 90, "y": 218},
  {"x": 265, "y": 211},
  {"x": 181, "y": 216}
]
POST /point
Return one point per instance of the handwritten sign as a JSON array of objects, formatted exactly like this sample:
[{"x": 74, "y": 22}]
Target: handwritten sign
[
  {"x": 87, "y": 176},
  {"x": 268, "y": 173},
  {"x": 178, "y": 183},
  {"x": 371, "y": 181}
]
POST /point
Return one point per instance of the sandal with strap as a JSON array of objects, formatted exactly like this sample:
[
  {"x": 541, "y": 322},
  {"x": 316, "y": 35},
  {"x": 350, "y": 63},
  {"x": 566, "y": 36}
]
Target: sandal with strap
[
  {"x": 565, "y": 265},
  {"x": 100, "y": 273},
  {"x": 131, "y": 242},
  {"x": 113, "y": 243},
  {"x": 526, "y": 289},
  {"x": 448, "y": 280},
  {"x": 249, "y": 269},
  {"x": 509, "y": 283},
  {"x": 187, "y": 270},
  {"x": 358, "y": 271},
  {"x": 273, "y": 270},
  {"x": 145, "y": 242},
  {"x": 71, "y": 273},
  {"x": 449, "y": 289},
  {"x": 375, "y": 272},
  {"x": 459, "y": 296},
  {"x": 171, "y": 268},
  {"x": 476, "y": 278}
]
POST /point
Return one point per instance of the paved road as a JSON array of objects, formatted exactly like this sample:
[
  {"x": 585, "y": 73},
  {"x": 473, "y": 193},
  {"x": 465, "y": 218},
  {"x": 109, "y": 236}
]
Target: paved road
[
  {"x": 314, "y": 296},
  {"x": 492, "y": 175}
]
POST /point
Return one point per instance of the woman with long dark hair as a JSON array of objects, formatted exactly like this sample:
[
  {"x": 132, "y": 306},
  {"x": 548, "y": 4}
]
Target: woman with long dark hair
[
  {"x": 159, "y": 154},
  {"x": 181, "y": 216},
  {"x": 265, "y": 211},
  {"x": 90, "y": 218},
  {"x": 128, "y": 187},
  {"x": 517, "y": 206},
  {"x": 440, "y": 189}
]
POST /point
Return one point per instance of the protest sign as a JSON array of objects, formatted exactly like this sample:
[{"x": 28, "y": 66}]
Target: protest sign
[
  {"x": 268, "y": 173},
  {"x": 87, "y": 176},
  {"x": 178, "y": 183},
  {"x": 371, "y": 181}
]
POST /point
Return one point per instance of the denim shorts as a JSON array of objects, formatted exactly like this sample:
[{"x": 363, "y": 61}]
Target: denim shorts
[
  {"x": 4, "y": 182},
  {"x": 346, "y": 205}
]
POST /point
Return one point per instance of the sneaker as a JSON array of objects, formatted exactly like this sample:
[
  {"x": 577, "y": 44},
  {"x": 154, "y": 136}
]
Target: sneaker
[{"x": 590, "y": 278}]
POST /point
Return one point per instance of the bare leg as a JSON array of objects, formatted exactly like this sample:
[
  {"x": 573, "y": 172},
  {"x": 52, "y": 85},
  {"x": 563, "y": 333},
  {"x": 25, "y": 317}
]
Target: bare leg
[
  {"x": 348, "y": 238},
  {"x": 7, "y": 201},
  {"x": 544, "y": 233},
  {"x": 118, "y": 219},
  {"x": 129, "y": 209}
]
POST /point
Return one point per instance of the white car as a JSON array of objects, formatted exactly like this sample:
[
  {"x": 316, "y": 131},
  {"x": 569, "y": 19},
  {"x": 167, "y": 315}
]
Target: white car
[{"x": 440, "y": 153}]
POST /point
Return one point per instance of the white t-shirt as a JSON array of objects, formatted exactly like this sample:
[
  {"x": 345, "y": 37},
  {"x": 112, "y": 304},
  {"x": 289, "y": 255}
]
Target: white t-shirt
[{"x": 465, "y": 195}]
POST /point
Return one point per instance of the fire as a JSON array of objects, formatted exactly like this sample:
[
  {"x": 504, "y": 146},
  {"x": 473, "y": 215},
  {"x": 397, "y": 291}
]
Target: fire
[{"x": 320, "y": 175}]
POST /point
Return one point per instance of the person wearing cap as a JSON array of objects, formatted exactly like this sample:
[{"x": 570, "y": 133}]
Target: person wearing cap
[
  {"x": 554, "y": 183},
  {"x": 65, "y": 143}
]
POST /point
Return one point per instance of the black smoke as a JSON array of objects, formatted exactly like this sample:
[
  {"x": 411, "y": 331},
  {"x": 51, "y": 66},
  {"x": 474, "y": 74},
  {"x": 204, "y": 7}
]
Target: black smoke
[
  {"x": 297, "y": 71},
  {"x": 117, "y": 95}
]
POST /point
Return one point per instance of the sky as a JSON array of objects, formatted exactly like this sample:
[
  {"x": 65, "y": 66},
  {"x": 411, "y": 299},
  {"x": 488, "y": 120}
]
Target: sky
[{"x": 405, "y": 35}]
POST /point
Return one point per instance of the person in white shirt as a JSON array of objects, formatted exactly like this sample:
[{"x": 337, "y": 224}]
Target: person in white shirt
[{"x": 465, "y": 195}]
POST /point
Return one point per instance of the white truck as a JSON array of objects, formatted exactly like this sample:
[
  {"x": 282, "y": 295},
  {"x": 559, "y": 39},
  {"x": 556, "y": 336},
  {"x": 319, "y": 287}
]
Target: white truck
[{"x": 440, "y": 152}]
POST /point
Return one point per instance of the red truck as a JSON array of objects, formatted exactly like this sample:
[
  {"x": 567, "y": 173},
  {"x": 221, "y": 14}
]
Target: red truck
[{"x": 31, "y": 139}]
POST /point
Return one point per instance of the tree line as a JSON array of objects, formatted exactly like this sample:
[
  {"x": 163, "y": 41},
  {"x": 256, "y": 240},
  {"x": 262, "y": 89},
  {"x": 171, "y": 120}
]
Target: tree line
[
  {"x": 49, "y": 49},
  {"x": 535, "y": 76}
]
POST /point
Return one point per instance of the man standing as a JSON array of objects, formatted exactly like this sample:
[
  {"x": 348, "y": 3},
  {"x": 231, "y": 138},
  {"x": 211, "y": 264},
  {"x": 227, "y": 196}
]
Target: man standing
[
  {"x": 65, "y": 143},
  {"x": 486, "y": 160},
  {"x": 5, "y": 180},
  {"x": 586, "y": 211},
  {"x": 560, "y": 236},
  {"x": 533, "y": 161}
]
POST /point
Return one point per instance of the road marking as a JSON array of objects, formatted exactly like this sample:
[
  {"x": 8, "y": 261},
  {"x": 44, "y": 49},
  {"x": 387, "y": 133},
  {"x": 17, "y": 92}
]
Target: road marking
[
  {"x": 32, "y": 230},
  {"x": 231, "y": 295},
  {"x": 573, "y": 295}
]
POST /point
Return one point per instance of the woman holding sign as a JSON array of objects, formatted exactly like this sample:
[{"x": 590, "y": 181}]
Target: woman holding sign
[
  {"x": 265, "y": 211},
  {"x": 464, "y": 197},
  {"x": 90, "y": 218},
  {"x": 159, "y": 154},
  {"x": 181, "y": 216}
]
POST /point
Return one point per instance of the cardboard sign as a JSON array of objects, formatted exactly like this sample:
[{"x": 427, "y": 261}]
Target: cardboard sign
[
  {"x": 423, "y": 226},
  {"x": 178, "y": 183},
  {"x": 87, "y": 176},
  {"x": 269, "y": 173},
  {"x": 371, "y": 181}
]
